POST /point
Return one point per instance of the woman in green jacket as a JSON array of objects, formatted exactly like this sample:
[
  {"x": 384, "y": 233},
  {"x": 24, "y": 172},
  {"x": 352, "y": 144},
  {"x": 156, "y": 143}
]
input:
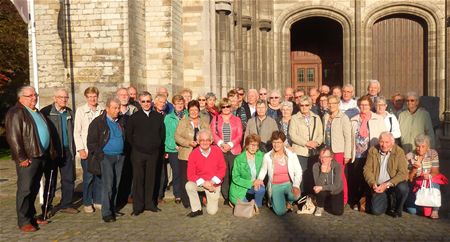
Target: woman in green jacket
[{"x": 245, "y": 171}]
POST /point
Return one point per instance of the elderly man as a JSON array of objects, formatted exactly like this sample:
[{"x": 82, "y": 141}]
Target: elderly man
[
  {"x": 386, "y": 173},
  {"x": 132, "y": 92},
  {"x": 263, "y": 94},
  {"x": 146, "y": 134},
  {"x": 105, "y": 142},
  {"x": 324, "y": 90},
  {"x": 314, "y": 95},
  {"x": 243, "y": 111},
  {"x": 348, "y": 104},
  {"x": 289, "y": 96},
  {"x": 373, "y": 90},
  {"x": 205, "y": 172},
  {"x": 126, "y": 109},
  {"x": 274, "y": 105},
  {"x": 61, "y": 122},
  {"x": 168, "y": 107},
  {"x": 252, "y": 98},
  {"x": 28, "y": 136},
  {"x": 262, "y": 125},
  {"x": 414, "y": 121}
]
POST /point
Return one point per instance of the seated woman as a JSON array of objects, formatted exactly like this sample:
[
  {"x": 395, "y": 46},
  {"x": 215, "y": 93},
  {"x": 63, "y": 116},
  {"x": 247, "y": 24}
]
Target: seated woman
[
  {"x": 423, "y": 163},
  {"x": 328, "y": 184},
  {"x": 245, "y": 171},
  {"x": 285, "y": 174}
]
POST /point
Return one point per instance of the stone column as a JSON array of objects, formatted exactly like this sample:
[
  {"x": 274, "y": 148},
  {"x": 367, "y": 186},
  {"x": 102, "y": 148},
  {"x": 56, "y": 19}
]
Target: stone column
[
  {"x": 445, "y": 140},
  {"x": 246, "y": 22},
  {"x": 265, "y": 26},
  {"x": 223, "y": 10}
]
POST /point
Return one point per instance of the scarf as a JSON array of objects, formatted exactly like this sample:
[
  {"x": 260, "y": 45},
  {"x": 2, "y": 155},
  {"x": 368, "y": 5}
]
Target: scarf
[
  {"x": 364, "y": 128},
  {"x": 180, "y": 114}
]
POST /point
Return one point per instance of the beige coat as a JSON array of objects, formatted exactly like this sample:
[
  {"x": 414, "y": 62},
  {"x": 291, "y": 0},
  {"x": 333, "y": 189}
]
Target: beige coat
[
  {"x": 341, "y": 134},
  {"x": 184, "y": 135},
  {"x": 376, "y": 127},
  {"x": 84, "y": 117},
  {"x": 300, "y": 133}
]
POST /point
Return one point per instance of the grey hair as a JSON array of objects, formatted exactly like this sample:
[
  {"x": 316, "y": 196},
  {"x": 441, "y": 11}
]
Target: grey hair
[
  {"x": 373, "y": 81},
  {"x": 287, "y": 104},
  {"x": 22, "y": 89},
  {"x": 210, "y": 95},
  {"x": 112, "y": 100},
  {"x": 144, "y": 94},
  {"x": 259, "y": 102},
  {"x": 422, "y": 139},
  {"x": 60, "y": 90},
  {"x": 412, "y": 94},
  {"x": 159, "y": 96},
  {"x": 388, "y": 134},
  {"x": 333, "y": 97},
  {"x": 204, "y": 131},
  {"x": 252, "y": 90},
  {"x": 306, "y": 98},
  {"x": 381, "y": 99},
  {"x": 348, "y": 85},
  {"x": 121, "y": 89}
]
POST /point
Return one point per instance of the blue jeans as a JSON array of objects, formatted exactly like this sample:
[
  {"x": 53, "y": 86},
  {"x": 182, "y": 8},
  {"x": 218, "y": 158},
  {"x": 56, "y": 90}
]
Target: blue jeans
[
  {"x": 176, "y": 174},
  {"x": 111, "y": 172},
  {"x": 91, "y": 186},
  {"x": 281, "y": 193},
  {"x": 380, "y": 200},
  {"x": 259, "y": 195}
]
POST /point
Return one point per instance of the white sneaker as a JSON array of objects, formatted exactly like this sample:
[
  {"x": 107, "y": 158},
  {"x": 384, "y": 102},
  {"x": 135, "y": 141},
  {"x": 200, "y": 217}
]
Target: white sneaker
[
  {"x": 88, "y": 209},
  {"x": 318, "y": 211},
  {"x": 97, "y": 206}
]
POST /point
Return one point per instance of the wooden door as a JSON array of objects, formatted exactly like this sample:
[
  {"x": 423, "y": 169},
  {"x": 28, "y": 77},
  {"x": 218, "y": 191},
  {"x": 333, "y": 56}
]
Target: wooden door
[{"x": 306, "y": 70}]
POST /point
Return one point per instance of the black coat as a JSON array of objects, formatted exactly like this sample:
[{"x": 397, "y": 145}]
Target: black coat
[{"x": 145, "y": 133}]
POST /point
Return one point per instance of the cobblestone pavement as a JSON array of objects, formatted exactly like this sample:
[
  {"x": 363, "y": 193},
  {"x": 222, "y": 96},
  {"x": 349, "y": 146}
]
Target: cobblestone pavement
[{"x": 172, "y": 224}]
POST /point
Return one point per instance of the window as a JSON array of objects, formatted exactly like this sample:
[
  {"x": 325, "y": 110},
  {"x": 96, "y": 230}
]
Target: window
[
  {"x": 310, "y": 74},
  {"x": 300, "y": 75}
]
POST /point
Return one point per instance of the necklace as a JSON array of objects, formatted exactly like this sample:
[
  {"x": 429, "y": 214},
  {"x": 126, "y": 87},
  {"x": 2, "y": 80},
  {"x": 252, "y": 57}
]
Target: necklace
[{"x": 280, "y": 159}]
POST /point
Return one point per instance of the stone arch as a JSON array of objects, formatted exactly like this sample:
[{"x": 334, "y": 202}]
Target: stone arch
[
  {"x": 282, "y": 25},
  {"x": 434, "y": 60}
]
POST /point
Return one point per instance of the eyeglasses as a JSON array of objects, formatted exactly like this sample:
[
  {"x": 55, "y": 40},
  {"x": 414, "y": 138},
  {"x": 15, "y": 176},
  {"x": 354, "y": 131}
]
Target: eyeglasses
[
  {"x": 304, "y": 105},
  {"x": 410, "y": 100},
  {"x": 227, "y": 106},
  {"x": 146, "y": 101},
  {"x": 274, "y": 97},
  {"x": 201, "y": 99},
  {"x": 263, "y": 93},
  {"x": 62, "y": 97},
  {"x": 31, "y": 95}
]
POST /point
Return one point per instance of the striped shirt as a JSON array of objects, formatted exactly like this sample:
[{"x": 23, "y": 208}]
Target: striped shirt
[
  {"x": 226, "y": 132},
  {"x": 430, "y": 160}
]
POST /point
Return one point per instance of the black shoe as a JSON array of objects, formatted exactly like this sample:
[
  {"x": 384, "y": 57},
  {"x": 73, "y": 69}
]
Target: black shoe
[
  {"x": 136, "y": 213},
  {"x": 118, "y": 214},
  {"x": 109, "y": 219},
  {"x": 225, "y": 202},
  {"x": 394, "y": 214},
  {"x": 156, "y": 209},
  {"x": 195, "y": 214}
]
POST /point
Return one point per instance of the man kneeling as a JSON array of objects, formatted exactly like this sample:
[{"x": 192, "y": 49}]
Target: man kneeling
[
  {"x": 205, "y": 172},
  {"x": 386, "y": 173}
]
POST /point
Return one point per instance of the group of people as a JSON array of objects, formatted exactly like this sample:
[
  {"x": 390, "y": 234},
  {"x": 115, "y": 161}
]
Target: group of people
[{"x": 366, "y": 152}]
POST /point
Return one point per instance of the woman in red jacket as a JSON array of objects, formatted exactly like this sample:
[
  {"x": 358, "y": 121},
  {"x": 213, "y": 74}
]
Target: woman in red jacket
[{"x": 227, "y": 132}]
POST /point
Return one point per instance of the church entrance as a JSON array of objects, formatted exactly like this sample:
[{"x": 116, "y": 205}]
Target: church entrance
[{"x": 316, "y": 53}]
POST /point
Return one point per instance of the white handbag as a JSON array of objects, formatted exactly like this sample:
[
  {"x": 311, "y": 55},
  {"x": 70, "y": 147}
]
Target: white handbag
[{"x": 428, "y": 196}]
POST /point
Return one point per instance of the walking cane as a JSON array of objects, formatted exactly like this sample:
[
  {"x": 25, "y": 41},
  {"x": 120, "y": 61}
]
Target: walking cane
[{"x": 48, "y": 194}]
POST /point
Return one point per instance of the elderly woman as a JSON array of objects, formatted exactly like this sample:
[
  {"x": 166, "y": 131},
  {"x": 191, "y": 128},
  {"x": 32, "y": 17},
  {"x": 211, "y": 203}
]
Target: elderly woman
[
  {"x": 328, "y": 185},
  {"x": 337, "y": 131},
  {"x": 323, "y": 105},
  {"x": 171, "y": 121},
  {"x": 274, "y": 106},
  {"x": 285, "y": 174},
  {"x": 202, "y": 101},
  {"x": 262, "y": 125},
  {"x": 337, "y": 91},
  {"x": 185, "y": 138},
  {"x": 283, "y": 123},
  {"x": 227, "y": 133},
  {"x": 306, "y": 133},
  {"x": 211, "y": 109},
  {"x": 366, "y": 128},
  {"x": 390, "y": 121},
  {"x": 245, "y": 171},
  {"x": 423, "y": 164}
]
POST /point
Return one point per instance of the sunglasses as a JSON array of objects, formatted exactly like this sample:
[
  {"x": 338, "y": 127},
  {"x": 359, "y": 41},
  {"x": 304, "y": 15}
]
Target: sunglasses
[
  {"x": 201, "y": 99},
  {"x": 146, "y": 101},
  {"x": 304, "y": 105},
  {"x": 228, "y": 106},
  {"x": 410, "y": 100},
  {"x": 274, "y": 97},
  {"x": 241, "y": 94},
  {"x": 262, "y": 94}
]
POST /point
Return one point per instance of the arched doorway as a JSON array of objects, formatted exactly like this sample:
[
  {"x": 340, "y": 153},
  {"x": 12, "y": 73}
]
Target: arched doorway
[
  {"x": 400, "y": 54},
  {"x": 316, "y": 53}
]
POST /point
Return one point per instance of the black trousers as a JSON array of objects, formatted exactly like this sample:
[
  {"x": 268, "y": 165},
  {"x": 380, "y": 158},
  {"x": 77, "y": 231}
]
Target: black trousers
[
  {"x": 145, "y": 192},
  {"x": 229, "y": 160},
  {"x": 357, "y": 186},
  {"x": 66, "y": 166},
  {"x": 28, "y": 183},
  {"x": 333, "y": 204},
  {"x": 182, "y": 184}
]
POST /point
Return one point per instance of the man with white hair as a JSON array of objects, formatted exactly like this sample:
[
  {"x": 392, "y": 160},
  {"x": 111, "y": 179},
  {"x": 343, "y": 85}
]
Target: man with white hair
[
  {"x": 414, "y": 121},
  {"x": 386, "y": 173},
  {"x": 126, "y": 109},
  {"x": 373, "y": 90},
  {"x": 325, "y": 90},
  {"x": 168, "y": 107},
  {"x": 60, "y": 119},
  {"x": 132, "y": 92},
  {"x": 348, "y": 104},
  {"x": 28, "y": 137}
]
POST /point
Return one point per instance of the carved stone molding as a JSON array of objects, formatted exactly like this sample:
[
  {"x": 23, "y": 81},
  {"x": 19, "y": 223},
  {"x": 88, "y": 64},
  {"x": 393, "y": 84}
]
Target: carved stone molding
[
  {"x": 265, "y": 25},
  {"x": 246, "y": 22},
  {"x": 223, "y": 7}
]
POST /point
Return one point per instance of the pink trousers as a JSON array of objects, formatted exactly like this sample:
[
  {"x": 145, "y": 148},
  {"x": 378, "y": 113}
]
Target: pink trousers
[{"x": 339, "y": 157}]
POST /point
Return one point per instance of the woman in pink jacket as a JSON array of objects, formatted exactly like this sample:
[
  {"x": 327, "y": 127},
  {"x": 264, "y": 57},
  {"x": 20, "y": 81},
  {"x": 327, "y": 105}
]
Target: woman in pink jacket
[{"x": 227, "y": 132}]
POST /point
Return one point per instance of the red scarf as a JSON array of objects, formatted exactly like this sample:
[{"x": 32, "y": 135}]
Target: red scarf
[{"x": 364, "y": 128}]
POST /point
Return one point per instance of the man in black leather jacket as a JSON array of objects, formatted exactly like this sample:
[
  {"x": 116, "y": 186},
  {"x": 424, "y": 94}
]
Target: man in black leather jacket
[{"x": 29, "y": 139}]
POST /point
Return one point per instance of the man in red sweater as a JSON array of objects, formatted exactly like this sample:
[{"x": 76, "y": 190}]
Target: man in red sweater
[{"x": 205, "y": 172}]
